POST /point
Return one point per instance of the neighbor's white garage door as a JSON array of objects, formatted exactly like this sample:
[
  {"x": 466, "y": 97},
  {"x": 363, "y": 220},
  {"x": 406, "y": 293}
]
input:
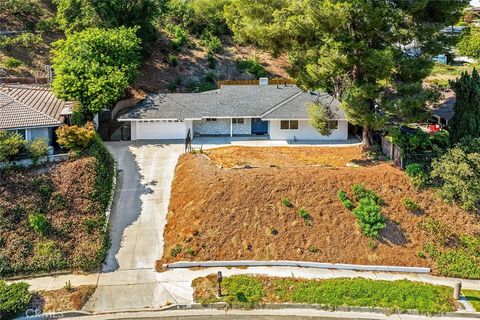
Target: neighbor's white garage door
[{"x": 161, "y": 130}]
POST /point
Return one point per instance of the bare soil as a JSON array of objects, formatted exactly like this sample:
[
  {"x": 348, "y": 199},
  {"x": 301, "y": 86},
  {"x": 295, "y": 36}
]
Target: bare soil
[
  {"x": 230, "y": 157},
  {"x": 63, "y": 299},
  {"x": 63, "y": 194},
  {"x": 220, "y": 214}
]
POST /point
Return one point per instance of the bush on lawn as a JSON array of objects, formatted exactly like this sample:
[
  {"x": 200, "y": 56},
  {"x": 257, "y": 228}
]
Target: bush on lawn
[
  {"x": 14, "y": 298},
  {"x": 287, "y": 203},
  {"x": 417, "y": 174},
  {"x": 369, "y": 217},
  {"x": 347, "y": 203}
]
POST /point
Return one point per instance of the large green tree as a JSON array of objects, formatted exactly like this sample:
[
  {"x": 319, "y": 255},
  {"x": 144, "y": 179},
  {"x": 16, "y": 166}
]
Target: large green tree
[
  {"x": 77, "y": 15},
  {"x": 359, "y": 50},
  {"x": 466, "y": 119},
  {"x": 94, "y": 67}
]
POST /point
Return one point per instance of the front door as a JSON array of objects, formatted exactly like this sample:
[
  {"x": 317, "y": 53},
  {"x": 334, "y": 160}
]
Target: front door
[{"x": 259, "y": 126}]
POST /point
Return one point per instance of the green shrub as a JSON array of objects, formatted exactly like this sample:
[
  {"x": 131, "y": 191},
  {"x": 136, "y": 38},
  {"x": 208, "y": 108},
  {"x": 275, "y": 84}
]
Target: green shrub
[
  {"x": 360, "y": 192},
  {"x": 179, "y": 38},
  {"x": 14, "y": 299},
  {"x": 417, "y": 175},
  {"x": 302, "y": 213},
  {"x": 37, "y": 149},
  {"x": 75, "y": 138},
  {"x": 347, "y": 203},
  {"x": 243, "y": 291},
  {"x": 43, "y": 188},
  {"x": 39, "y": 223},
  {"x": 190, "y": 252},
  {"x": 458, "y": 175},
  {"x": 25, "y": 40},
  {"x": 212, "y": 43},
  {"x": 252, "y": 66},
  {"x": 286, "y": 202},
  {"x": 410, "y": 204},
  {"x": 11, "y": 145},
  {"x": 48, "y": 256},
  {"x": 172, "y": 60},
  {"x": 459, "y": 264},
  {"x": 369, "y": 217},
  {"x": 12, "y": 63},
  {"x": 175, "y": 251},
  {"x": 58, "y": 202}
]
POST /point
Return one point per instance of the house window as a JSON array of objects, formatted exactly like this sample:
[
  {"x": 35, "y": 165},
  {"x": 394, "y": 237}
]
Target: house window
[
  {"x": 333, "y": 125},
  {"x": 21, "y": 132},
  {"x": 211, "y": 119},
  {"x": 289, "y": 125},
  {"x": 238, "y": 121}
]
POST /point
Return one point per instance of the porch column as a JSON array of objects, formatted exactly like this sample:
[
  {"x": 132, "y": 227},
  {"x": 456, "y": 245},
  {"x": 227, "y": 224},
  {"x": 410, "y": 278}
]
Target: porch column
[{"x": 231, "y": 127}]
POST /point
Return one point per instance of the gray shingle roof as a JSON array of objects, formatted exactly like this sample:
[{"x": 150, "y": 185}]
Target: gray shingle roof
[
  {"x": 29, "y": 106},
  {"x": 230, "y": 101}
]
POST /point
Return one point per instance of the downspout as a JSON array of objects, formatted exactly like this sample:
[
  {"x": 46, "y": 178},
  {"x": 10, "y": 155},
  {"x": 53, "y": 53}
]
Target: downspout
[{"x": 231, "y": 127}]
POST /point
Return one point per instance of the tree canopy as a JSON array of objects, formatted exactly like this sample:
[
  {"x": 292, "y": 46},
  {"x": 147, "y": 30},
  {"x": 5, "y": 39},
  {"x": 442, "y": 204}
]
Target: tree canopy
[
  {"x": 371, "y": 54},
  {"x": 466, "y": 119},
  {"x": 77, "y": 15},
  {"x": 469, "y": 44},
  {"x": 94, "y": 67}
]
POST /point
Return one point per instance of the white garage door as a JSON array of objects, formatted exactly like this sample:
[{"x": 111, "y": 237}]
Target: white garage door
[{"x": 161, "y": 130}]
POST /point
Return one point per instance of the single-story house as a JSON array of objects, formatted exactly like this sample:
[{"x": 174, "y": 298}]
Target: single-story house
[
  {"x": 32, "y": 111},
  {"x": 279, "y": 112}
]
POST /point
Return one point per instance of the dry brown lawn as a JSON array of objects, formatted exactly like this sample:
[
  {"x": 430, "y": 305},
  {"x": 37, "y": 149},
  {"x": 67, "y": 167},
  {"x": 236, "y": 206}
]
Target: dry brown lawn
[
  {"x": 229, "y": 157},
  {"x": 63, "y": 299},
  {"x": 219, "y": 214}
]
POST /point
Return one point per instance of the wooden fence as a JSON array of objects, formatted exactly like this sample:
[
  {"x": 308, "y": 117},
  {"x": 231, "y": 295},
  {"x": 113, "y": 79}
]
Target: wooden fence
[
  {"x": 392, "y": 151},
  {"x": 274, "y": 81}
]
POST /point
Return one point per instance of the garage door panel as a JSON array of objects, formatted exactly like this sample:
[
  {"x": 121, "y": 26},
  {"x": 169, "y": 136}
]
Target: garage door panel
[{"x": 160, "y": 130}]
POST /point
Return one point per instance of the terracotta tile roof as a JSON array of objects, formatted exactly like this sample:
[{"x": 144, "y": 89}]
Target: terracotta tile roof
[{"x": 29, "y": 106}]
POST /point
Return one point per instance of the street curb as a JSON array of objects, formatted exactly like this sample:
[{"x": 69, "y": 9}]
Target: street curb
[
  {"x": 277, "y": 306},
  {"x": 301, "y": 264}
]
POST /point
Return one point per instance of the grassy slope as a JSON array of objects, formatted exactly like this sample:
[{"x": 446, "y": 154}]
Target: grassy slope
[
  {"x": 473, "y": 297},
  {"x": 246, "y": 291}
]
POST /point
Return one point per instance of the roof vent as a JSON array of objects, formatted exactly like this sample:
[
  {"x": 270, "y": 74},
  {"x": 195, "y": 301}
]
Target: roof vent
[{"x": 264, "y": 81}]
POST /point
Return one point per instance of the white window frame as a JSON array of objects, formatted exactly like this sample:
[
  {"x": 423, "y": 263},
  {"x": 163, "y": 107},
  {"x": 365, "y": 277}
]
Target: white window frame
[{"x": 290, "y": 125}]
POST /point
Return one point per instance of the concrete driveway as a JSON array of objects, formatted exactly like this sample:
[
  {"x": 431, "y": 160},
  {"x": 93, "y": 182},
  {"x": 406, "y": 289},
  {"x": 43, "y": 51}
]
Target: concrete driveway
[{"x": 128, "y": 279}]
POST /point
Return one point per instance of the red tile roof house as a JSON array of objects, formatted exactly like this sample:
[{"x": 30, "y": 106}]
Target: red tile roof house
[
  {"x": 276, "y": 112},
  {"x": 32, "y": 111}
]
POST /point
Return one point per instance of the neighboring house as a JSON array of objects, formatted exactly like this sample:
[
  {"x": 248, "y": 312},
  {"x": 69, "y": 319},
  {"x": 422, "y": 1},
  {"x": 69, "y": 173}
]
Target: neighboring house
[
  {"x": 445, "y": 110},
  {"x": 279, "y": 112},
  {"x": 32, "y": 111}
]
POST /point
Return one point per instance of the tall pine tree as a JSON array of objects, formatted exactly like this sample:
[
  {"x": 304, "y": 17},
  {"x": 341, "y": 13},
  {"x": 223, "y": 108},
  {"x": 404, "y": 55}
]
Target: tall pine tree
[{"x": 465, "y": 123}]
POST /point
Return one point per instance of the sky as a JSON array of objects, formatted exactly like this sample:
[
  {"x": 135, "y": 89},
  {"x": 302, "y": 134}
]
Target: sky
[{"x": 475, "y": 3}]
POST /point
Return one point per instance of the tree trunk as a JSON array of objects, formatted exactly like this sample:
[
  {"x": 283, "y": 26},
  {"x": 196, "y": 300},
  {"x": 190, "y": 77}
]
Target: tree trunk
[{"x": 367, "y": 138}]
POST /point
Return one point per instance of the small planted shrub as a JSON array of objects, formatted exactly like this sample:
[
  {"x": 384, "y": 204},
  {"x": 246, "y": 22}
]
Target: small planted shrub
[
  {"x": 302, "y": 213},
  {"x": 361, "y": 192},
  {"x": 212, "y": 43},
  {"x": 11, "y": 145},
  {"x": 369, "y": 217},
  {"x": 313, "y": 249},
  {"x": 190, "y": 252},
  {"x": 175, "y": 251},
  {"x": 347, "y": 203},
  {"x": 12, "y": 63},
  {"x": 172, "y": 60},
  {"x": 37, "y": 149},
  {"x": 39, "y": 223},
  {"x": 14, "y": 299},
  {"x": 287, "y": 203},
  {"x": 417, "y": 175},
  {"x": 179, "y": 38},
  {"x": 410, "y": 204},
  {"x": 75, "y": 138},
  {"x": 252, "y": 66}
]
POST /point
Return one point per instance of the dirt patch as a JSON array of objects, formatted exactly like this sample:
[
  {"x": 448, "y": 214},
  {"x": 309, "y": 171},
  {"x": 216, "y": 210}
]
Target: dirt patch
[
  {"x": 229, "y": 157},
  {"x": 218, "y": 214},
  {"x": 62, "y": 299},
  {"x": 64, "y": 195}
]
